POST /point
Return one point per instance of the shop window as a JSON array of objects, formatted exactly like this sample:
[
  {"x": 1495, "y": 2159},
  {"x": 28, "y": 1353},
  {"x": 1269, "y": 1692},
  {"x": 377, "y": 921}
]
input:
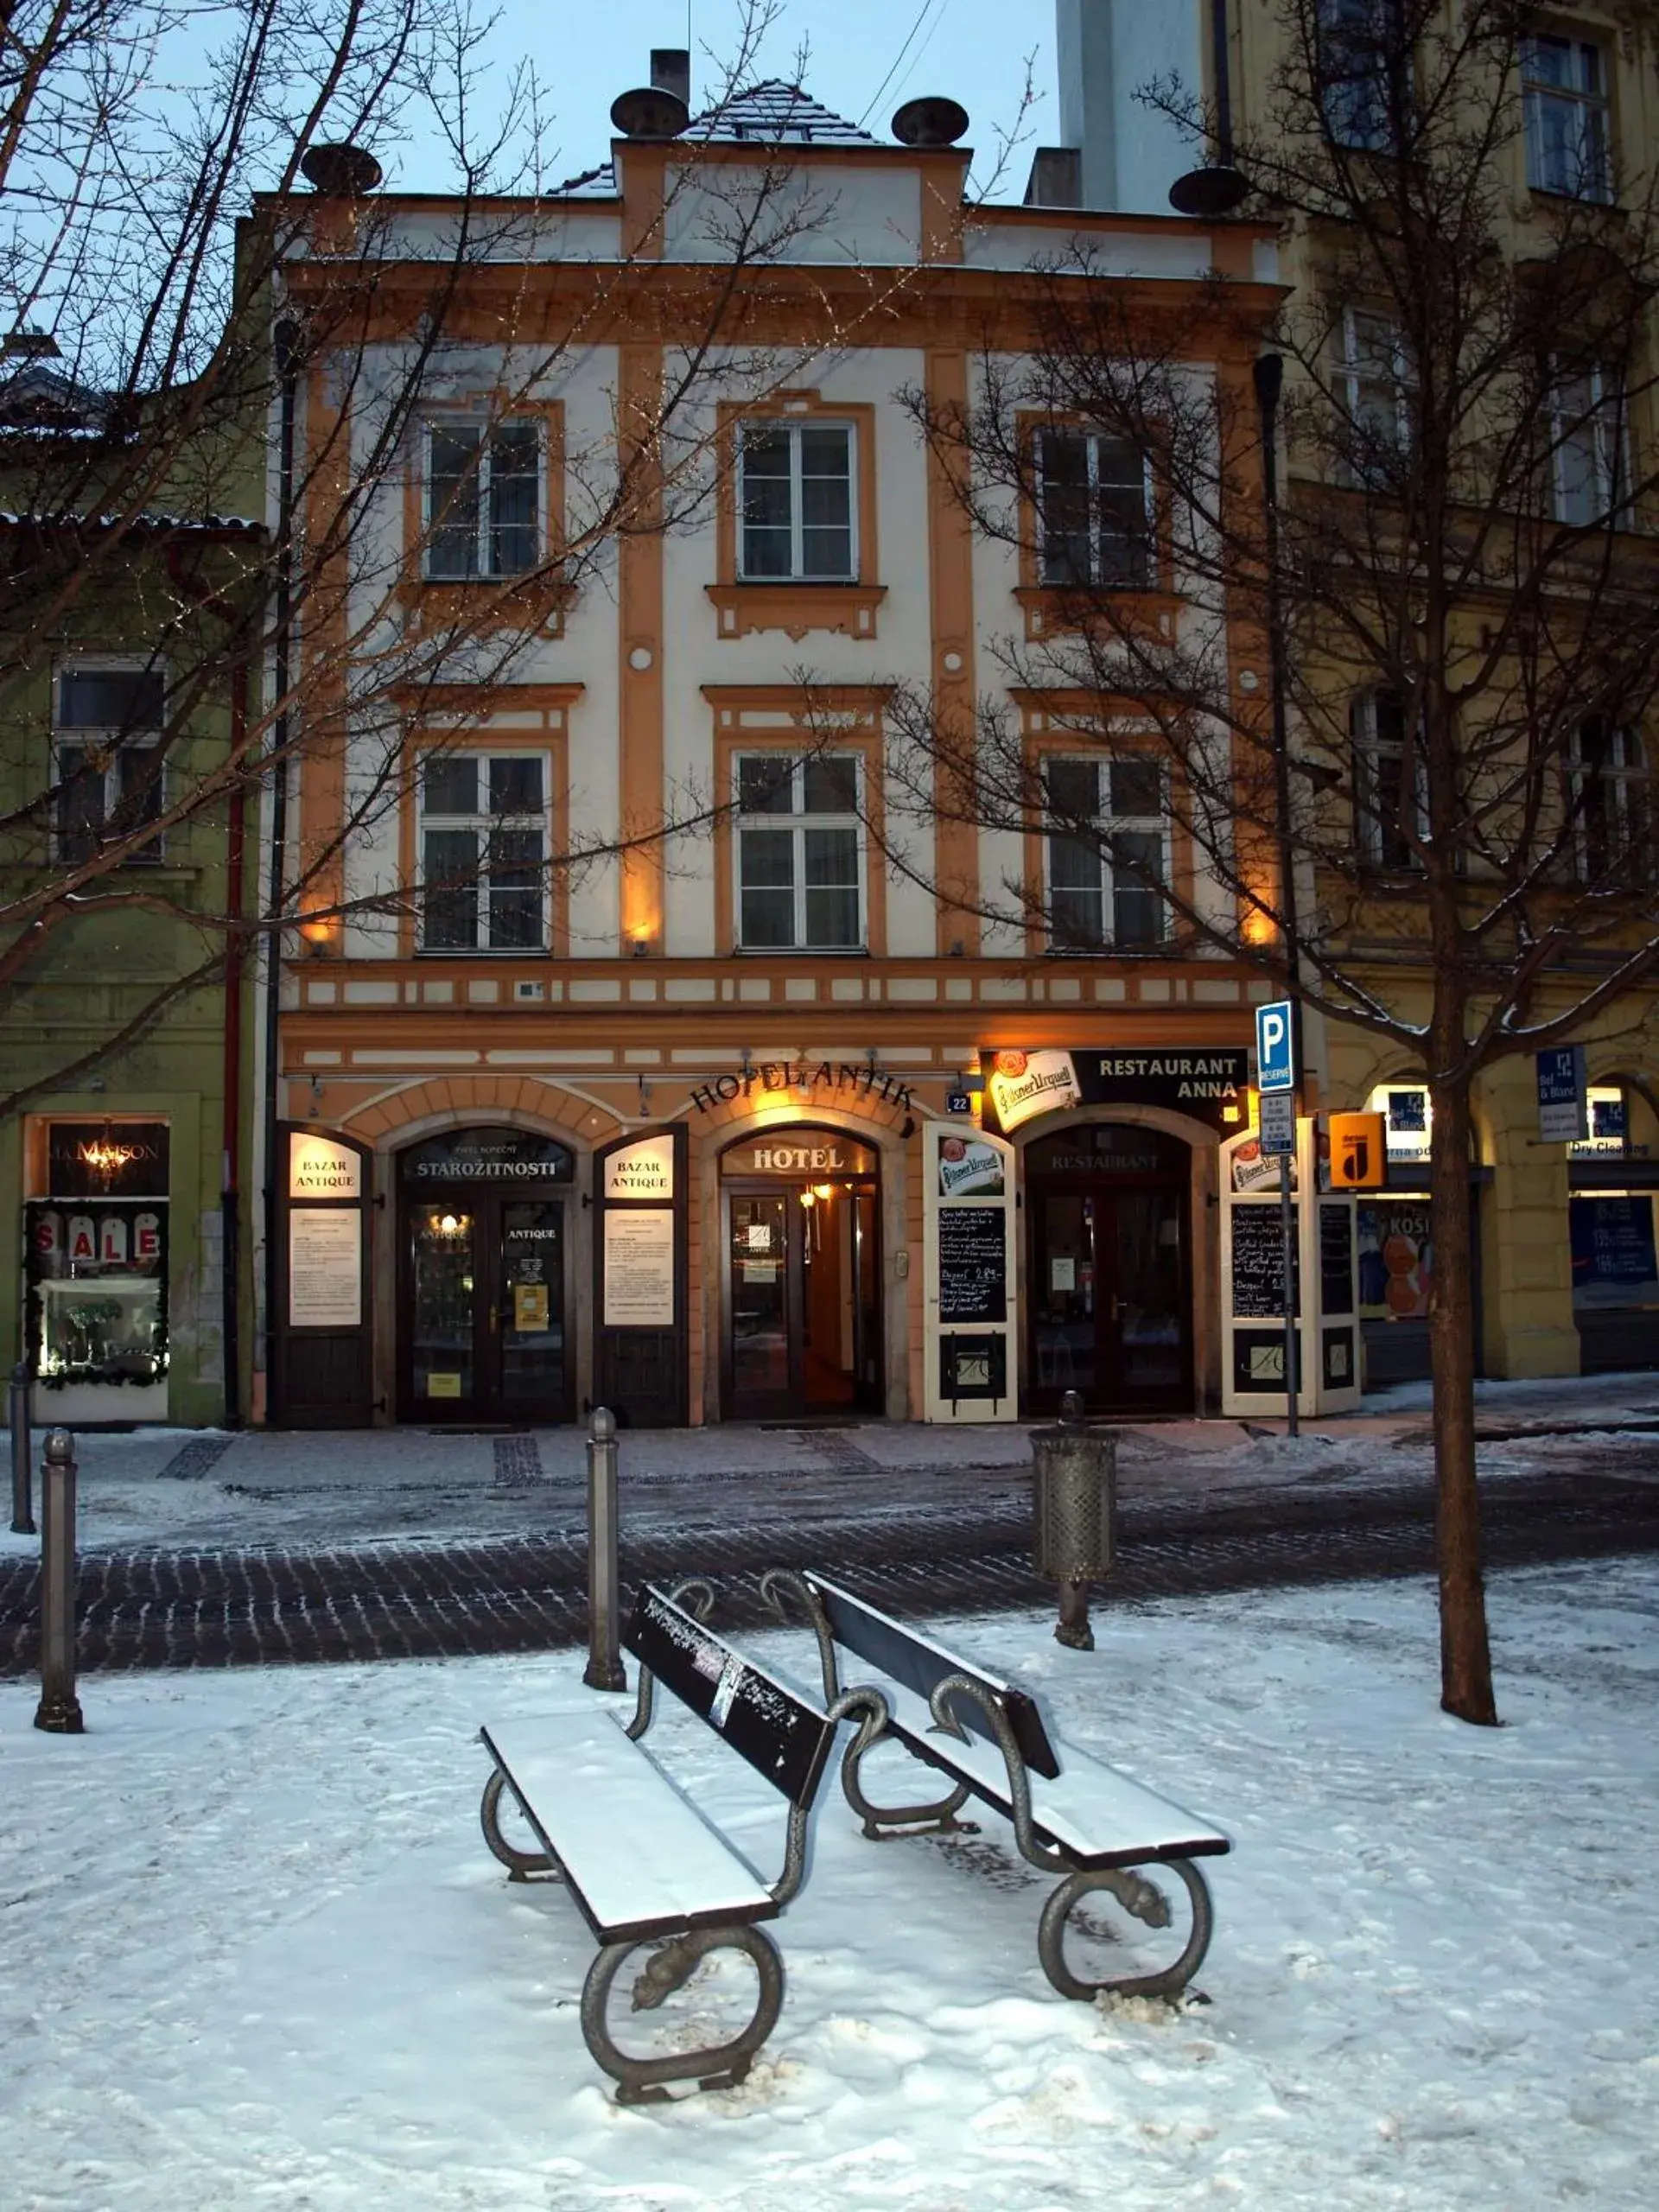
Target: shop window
[
  {"x": 483, "y": 831},
  {"x": 1107, "y": 853},
  {"x": 1363, "y": 64},
  {"x": 485, "y": 499},
  {"x": 1094, "y": 512},
  {"x": 107, "y": 759},
  {"x": 1389, "y": 781},
  {"x": 1568, "y": 121},
  {"x": 800, "y": 853},
  {"x": 96, "y": 1256},
  {"x": 797, "y": 502},
  {"x": 1611, "y": 814}
]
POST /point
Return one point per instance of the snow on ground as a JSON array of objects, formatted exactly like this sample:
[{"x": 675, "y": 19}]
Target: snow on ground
[{"x": 259, "y": 1957}]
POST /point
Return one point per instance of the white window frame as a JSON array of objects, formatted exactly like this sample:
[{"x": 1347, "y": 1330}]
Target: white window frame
[
  {"x": 1097, "y": 579},
  {"x": 1603, "y": 425},
  {"x": 1104, "y": 826},
  {"x": 793, "y": 425},
  {"x": 1360, "y": 370},
  {"x": 481, "y": 823},
  {"x": 109, "y": 740},
  {"x": 484, "y": 529},
  {"x": 1626, "y": 782},
  {"x": 798, "y": 821},
  {"x": 1370, "y": 829},
  {"x": 1583, "y": 101}
]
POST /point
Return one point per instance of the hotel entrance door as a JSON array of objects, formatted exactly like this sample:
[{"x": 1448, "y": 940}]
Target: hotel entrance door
[
  {"x": 1110, "y": 1298},
  {"x": 802, "y": 1277},
  {"x": 482, "y": 1295}
]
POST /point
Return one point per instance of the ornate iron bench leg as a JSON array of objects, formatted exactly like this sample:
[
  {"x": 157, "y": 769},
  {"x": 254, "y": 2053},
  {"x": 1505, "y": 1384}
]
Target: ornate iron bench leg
[
  {"x": 1149, "y": 1903},
  {"x": 883, "y": 1822},
  {"x": 723, "y": 2066},
  {"x": 520, "y": 1864}
]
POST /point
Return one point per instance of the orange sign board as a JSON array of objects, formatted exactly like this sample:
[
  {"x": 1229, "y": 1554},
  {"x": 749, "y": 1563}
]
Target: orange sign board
[{"x": 1359, "y": 1152}]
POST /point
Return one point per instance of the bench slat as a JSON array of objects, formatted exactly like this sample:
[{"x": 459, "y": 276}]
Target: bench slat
[
  {"x": 640, "y": 1859},
  {"x": 1100, "y": 1817},
  {"x": 920, "y": 1664},
  {"x": 771, "y": 1726}
]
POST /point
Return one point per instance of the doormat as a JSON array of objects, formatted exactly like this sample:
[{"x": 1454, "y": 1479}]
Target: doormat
[
  {"x": 517, "y": 1462},
  {"x": 197, "y": 1458}
]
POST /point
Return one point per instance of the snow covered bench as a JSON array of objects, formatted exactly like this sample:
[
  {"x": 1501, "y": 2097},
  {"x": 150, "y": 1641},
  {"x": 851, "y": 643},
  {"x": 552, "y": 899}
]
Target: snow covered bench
[
  {"x": 645, "y": 1864},
  {"x": 1070, "y": 1814}
]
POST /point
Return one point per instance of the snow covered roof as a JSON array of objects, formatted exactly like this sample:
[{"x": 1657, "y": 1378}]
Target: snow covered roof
[{"x": 773, "y": 113}]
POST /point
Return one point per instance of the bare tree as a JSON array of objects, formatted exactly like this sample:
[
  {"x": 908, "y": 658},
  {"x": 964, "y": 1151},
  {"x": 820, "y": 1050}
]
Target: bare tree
[{"x": 1434, "y": 824}]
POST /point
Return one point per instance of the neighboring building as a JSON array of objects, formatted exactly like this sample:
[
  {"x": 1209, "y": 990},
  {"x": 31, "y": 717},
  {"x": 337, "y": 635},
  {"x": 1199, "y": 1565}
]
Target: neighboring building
[
  {"x": 710, "y": 1130},
  {"x": 121, "y": 1145},
  {"x": 1564, "y": 1263}
]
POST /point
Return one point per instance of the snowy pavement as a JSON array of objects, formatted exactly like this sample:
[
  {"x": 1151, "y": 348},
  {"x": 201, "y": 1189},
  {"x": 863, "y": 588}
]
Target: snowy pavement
[
  {"x": 209, "y": 1490},
  {"x": 260, "y": 1962}
]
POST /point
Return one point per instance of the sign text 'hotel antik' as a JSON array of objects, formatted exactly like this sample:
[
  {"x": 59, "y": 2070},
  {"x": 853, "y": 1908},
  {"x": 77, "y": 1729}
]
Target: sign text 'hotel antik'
[{"x": 825, "y": 1079}]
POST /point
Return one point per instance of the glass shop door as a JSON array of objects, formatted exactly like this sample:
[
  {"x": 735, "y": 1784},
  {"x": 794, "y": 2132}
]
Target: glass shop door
[{"x": 484, "y": 1340}]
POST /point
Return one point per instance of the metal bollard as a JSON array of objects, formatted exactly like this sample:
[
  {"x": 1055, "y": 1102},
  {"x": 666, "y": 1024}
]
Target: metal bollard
[
  {"x": 22, "y": 1501},
  {"x": 604, "y": 1670},
  {"x": 1076, "y": 1501},
  {"x": 58, "y": 1710}
]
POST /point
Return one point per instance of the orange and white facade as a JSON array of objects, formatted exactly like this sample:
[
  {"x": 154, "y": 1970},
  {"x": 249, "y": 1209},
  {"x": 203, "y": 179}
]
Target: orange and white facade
[{"x": 745, "y": 1120}]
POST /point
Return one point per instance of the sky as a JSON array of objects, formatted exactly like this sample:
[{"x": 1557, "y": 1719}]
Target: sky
[{"x": 973, "y": 51}]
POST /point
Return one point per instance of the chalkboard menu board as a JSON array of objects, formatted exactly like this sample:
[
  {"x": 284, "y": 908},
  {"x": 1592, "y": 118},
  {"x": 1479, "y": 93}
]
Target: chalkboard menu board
[
  {"x": 973, "y": 1264},
  {"x": 1258, "y": 1262},
  {"x": 1336, "y": 1258}
]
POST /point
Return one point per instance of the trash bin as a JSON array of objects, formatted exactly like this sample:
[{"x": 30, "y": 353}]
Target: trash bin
[{"x": 1075, "y": 1482}]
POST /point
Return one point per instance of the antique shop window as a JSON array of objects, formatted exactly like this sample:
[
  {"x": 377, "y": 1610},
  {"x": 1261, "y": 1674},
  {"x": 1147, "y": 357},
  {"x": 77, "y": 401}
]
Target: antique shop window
[{"x": 97, "y": 1256}]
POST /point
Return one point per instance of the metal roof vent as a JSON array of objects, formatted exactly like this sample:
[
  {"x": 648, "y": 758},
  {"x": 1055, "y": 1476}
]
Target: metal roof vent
[
  {"x": 930, "y": 122},
  {"x": 340, "y": 172},
  {"x": 649, "y": 111}
]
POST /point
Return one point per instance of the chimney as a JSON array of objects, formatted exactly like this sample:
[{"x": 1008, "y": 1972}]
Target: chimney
[
  {"x": 670, "y": 71},
  {"x": 1056, "y": 179}
]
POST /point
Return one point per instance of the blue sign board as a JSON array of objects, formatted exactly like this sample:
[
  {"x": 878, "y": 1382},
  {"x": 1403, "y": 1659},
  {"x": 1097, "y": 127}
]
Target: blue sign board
[
  {"x": 1561, "y": 1094},
  {"x": 1275, "y": 1046}
]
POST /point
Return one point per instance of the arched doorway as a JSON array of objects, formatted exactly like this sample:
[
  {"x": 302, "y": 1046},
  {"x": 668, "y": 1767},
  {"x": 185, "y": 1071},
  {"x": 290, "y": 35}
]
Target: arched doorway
[
  {"x": 483, "y": 1279},
  {"x": 801, "y": 1289},
  {"x": 1109, "y": 1297}
]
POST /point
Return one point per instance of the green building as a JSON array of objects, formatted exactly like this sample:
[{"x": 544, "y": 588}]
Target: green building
[{"x": 130, "y": 640}]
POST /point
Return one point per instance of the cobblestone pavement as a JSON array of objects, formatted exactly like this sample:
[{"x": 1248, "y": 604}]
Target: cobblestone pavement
[{"x": 222, "y": 1607}]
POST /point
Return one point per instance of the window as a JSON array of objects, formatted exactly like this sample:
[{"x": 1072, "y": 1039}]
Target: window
[
  {"x": 107, "y": 762},
  {"x": 1107, "y": 853},
  {"x": 1569, "y": 144},
  {"x": 1587, "y": 437},
  {"x": 483, "y": 500},
  {"x": 483, "y": 852},
  {"x": 800, "y": 883},
  {"x": 1609, "y": 789},
  {"x": 1361, "y": 50},
  {"x": 1094, "y": 511},
  {"x": 1371, "y": 384},
  {"x": 1385, "y": 822},
  {"x": 797, "y": 520}
]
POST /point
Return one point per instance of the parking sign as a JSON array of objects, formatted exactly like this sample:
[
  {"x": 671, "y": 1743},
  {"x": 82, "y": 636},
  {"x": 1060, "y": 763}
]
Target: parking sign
[{"x": 1275, "y": 1046}]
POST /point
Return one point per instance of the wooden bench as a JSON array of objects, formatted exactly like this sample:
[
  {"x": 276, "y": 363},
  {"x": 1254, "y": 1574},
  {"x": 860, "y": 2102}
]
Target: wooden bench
[
  {"x": 1072, "y": 1815},
  {"x": 643, "y": 1861}
]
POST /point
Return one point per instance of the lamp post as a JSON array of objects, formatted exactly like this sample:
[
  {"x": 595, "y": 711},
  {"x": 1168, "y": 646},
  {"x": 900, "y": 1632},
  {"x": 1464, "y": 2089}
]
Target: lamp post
[{"x": 1267, "y": 373}]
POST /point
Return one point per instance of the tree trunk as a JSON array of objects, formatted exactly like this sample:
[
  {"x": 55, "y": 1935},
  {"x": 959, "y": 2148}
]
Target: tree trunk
[{"x": 1465, "y": 1654}]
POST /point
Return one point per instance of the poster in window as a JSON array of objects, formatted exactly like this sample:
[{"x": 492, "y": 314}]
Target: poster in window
[
  {"x": 1396, "y": 1260},
  {"x": 325, "y": 1268},
  {"x": 1613, "y": 1253},
  {"x": 639, "y": 1268}
]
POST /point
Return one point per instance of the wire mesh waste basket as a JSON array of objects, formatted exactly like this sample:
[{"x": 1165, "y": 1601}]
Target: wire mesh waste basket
[{"x": 1075, "y": 1482}]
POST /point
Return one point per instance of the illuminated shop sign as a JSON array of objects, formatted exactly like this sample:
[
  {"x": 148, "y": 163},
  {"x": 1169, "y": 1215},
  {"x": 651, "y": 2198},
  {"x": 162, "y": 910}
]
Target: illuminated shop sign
[{"x": 1207, "y": 1082}]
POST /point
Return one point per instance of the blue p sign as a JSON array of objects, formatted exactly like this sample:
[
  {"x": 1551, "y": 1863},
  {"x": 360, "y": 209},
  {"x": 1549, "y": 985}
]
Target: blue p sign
[{"x": 1275, "y": 1046}]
